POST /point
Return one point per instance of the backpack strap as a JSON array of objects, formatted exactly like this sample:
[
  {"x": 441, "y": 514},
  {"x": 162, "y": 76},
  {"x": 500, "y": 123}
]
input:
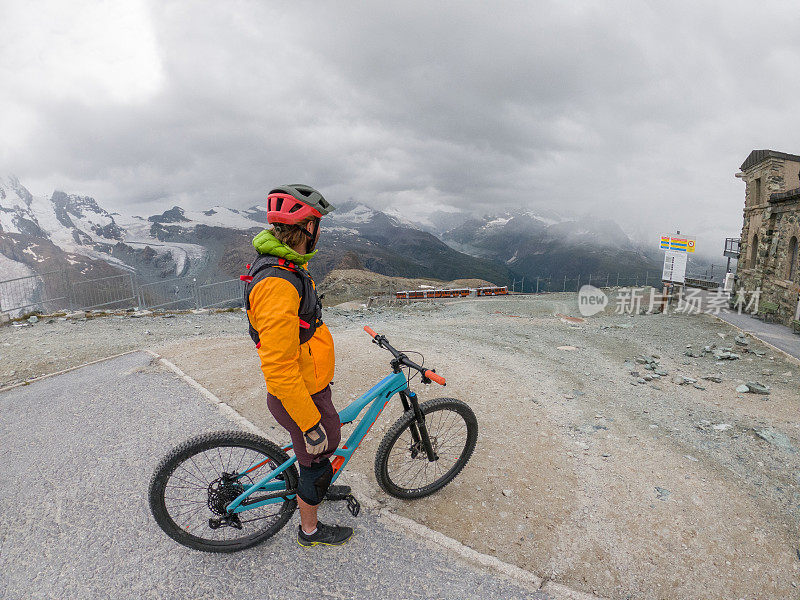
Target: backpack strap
[{"x": 310, "y": 310}]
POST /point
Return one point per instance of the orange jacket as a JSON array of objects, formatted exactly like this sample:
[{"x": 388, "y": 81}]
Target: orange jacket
[{"x": 292, "y": 371}]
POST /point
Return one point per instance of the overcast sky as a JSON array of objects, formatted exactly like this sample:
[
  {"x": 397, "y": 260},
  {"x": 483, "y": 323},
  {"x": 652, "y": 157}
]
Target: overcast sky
[{"x": 638, "y": 111}]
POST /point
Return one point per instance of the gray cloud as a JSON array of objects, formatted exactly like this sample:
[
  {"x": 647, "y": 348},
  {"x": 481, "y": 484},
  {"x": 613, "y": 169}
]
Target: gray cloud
[{"x": 631, "y": 110}]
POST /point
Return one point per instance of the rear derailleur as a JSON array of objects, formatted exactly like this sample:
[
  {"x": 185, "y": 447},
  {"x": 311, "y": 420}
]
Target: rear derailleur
[
  {"x": 225, "y": 521},
  {"x": 221, "y": 492}
]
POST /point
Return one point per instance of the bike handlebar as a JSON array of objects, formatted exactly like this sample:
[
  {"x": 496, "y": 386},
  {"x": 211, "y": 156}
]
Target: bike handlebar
[{"x": 428, "y": 375}]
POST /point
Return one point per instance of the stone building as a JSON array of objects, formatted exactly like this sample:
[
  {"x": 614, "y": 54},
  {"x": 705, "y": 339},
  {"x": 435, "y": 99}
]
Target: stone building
[{"x": 769, "y": 257}]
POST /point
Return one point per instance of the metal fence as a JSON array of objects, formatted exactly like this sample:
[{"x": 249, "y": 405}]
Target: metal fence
[
  {"x": 58, "y": 290},
  {"x": 46, "y": 290},
  {"x": 221, "y": 293},
  {"x": 116, "y": 291},
  {"x": 538, "y": 285},
  {"x": 177, "y": 293}
]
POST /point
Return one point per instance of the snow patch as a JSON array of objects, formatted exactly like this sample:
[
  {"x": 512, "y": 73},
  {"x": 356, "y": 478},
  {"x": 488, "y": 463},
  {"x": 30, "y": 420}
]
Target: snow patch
[
  {"x": 358, "y": 214},
  {"x": 222, "y": 217},
  {"x": 30, "y": 250},
  {"x": 498, "y": 222},
  {"x": 339, "y": 229},
  {"x": 545, "y": 220},
  {"x": 418, "y": 221}
]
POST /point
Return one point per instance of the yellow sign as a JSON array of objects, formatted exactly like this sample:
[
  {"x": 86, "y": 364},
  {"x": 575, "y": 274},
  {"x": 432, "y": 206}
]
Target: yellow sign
[{"x": 677, "y": 243}]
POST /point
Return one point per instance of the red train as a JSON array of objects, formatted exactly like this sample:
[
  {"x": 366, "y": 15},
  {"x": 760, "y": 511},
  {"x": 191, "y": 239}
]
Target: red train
[{"x": 456, "y": 293}]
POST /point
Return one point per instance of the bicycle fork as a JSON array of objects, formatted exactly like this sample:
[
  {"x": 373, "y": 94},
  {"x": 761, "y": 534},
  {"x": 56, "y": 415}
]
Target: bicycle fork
[{"x": 419, "y": 430}]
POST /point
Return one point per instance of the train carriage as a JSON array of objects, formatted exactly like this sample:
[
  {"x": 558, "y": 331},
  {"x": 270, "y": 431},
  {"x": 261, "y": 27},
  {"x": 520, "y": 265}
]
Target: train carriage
[
  {"x": 451, "y": 293},
  {"x": 492, "y": 291}
]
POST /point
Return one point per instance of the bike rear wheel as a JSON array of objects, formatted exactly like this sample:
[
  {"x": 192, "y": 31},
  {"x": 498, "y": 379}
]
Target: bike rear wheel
[
  {"x": 402, "y": 467},
  {"x": 195, "y": 481}
]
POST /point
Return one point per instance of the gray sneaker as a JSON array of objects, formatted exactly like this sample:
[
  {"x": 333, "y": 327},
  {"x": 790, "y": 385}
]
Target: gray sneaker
[{"x": 325, "y": 535}]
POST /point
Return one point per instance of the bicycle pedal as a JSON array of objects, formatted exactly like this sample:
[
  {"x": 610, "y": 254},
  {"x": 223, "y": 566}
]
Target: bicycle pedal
[{"x": 353, "y": 505}]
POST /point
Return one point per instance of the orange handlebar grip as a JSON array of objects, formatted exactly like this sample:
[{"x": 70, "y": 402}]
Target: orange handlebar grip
[
  {"x": 368, "y": 329},
  {"x": 434, "y": 377}
]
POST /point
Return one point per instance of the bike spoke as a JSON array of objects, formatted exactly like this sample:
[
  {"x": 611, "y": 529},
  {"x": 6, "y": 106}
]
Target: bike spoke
[
  {"x": 193, "y": 476},
  {"x": 408, "y": 462},
  {"x": 186, "y": 492}
]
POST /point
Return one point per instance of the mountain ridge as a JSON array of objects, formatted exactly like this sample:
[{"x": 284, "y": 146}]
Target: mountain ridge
[{"x": 215, "y": 243}]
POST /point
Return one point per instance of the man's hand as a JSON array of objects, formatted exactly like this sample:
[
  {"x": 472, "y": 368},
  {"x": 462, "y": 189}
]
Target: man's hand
[{"x": 316, "y": 440}]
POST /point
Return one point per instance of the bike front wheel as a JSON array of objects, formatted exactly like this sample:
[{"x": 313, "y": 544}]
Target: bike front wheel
[
  {"x": 196, "y": 481},
  {"x": 402, "y": 465}
]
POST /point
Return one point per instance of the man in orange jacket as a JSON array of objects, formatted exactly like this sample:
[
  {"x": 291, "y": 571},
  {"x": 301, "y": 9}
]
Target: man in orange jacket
[{"x": 296, "y": 349}]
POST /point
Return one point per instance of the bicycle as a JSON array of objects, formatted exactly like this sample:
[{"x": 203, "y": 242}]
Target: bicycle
[{"x": 222, "y": 508}]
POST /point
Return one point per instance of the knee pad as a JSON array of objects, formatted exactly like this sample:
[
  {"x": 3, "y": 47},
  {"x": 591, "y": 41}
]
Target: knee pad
[{"x": 314, "y": 482}]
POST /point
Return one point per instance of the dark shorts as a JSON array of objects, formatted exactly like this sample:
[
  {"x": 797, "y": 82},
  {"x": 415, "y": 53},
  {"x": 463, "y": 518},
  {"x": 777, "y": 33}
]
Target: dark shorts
[{"x": 330, "y": 421}]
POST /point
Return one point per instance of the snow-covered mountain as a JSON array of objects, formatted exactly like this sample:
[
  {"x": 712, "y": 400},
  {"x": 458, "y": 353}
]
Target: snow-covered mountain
[
  {"x": 40, "y": 234},
  {"x": 15, "y": 208},
  {"x": 385, "y": 243},
  {"x": 67, "y": 231},
  {"x": 207, "y": 244},
  {"x": 79, "y": 228},
  {"x": 537, "y": 244}
]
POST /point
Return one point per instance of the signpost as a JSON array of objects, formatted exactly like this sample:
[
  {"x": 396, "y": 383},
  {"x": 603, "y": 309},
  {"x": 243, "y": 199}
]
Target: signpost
[
  {"x": 676, "y": 249},
  {"x": 674, "y": 267}
]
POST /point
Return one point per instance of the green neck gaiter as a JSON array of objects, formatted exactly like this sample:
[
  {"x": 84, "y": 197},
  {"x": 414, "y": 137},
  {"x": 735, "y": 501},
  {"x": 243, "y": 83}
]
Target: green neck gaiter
[{"x": 266, "y": 243}]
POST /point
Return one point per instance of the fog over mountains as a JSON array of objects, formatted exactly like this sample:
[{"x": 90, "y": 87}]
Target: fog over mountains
[{"x": 68, "y": 231}]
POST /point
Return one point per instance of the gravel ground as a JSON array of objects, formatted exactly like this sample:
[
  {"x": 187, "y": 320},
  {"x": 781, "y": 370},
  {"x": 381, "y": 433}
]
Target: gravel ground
[
  {"x": 582, "y": 475},
  {"x": 56, "y": 343}
]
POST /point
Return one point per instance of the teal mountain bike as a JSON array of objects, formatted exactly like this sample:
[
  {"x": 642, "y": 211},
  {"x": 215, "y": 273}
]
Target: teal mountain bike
[{"x": 230, "y": 490}]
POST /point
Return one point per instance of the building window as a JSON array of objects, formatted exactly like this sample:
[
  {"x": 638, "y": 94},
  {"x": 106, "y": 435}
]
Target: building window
[
  {"x": 754, "y": 252},
  {"x": 757, "y": 191},
  {"x": 793, "y": 266}
]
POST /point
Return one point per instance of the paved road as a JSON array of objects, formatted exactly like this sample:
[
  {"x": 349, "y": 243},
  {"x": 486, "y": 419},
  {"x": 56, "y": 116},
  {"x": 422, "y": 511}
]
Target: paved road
[
  {"x": 779, "y": 336},
  {"x": 76, "y": 454}
]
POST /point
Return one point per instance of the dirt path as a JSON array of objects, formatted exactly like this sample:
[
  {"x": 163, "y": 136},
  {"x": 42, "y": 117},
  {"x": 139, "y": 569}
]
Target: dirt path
[{"x": 625, "y": 489}]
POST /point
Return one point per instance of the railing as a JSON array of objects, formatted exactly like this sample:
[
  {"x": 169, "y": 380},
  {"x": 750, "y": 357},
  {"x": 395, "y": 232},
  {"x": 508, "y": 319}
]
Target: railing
[
  {"x": 46, "y": 290},
  {"x": 176, "y": 293},
  {"x": 229, "y": 292},
  {"x": 732, "y": 247},
  {"x": 538, "y": 285},
  {"x": 703, "y": 284},
  {"x": 115, "y": 291},
  {"x": 56, "y": 290}
]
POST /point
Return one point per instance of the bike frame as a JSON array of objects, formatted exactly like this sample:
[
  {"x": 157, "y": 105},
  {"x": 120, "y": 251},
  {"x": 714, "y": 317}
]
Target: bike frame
[{"x": 377, "y": 398}]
